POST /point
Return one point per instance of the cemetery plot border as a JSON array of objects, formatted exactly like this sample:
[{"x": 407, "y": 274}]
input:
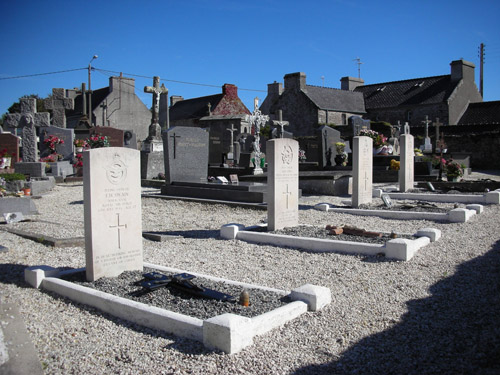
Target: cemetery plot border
[
  {"x": 399, "y": 249},
  {"x": 492, "y": 197},
  {"x": 229, "y": 333}
]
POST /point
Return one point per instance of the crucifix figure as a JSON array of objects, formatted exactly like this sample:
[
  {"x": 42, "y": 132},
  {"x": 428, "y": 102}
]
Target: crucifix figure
[
  {"x": 209, "y": 105},
  {"x": 280, "y": 123},
  {"x": 175, "y": 137},
  {"x": 156, "y": 90},
  {"x": 427, "y": 122},
  {"x": 288, "y": 193},
  {"x": 256, "y": 121},
  {"x": 118, "y": 227},
  {"x": 58, "y": 104},
  {"x": 232, "y": 129}
]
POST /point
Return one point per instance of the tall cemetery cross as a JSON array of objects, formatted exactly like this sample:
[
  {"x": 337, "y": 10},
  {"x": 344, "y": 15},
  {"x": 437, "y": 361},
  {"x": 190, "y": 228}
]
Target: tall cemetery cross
[
  {"x": 280, "y": 122},
  {"x": 437, "y": 124},
  {"x": 427, "y": 122},
  {"x": 59, "y": 104},
  {"x": 257, "y": 120},
  {"x": 156, "y": 90},
  {"x": 231, "y": 130},
  {"x": 28, "y": 106}
]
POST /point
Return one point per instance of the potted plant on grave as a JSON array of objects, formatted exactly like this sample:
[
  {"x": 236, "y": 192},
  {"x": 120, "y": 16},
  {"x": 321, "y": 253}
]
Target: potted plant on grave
[
  {"x": 341, "y": 157},
  {"x": 80, "y": 144},
  {"x": 78, "y": 164},
  {"x": 302, "y": 156},
  {"x": 51, "y": 142},
  {"x": 380, "y": 144},
  {"x": 453, "y": 170},
  {"x": 5, "y": 159},
  {"x": 98, "y": 141}
]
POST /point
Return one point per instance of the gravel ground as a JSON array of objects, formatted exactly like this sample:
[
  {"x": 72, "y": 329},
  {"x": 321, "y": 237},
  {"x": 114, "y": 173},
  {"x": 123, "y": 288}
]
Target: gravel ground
[{"x": 437, "y": 313}]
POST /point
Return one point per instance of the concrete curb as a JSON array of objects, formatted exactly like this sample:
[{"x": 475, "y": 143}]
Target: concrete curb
[
  {"x": 399, "y": 249},
  {"x": 492, "y": 197},
  {"x": 228, "y": 332}
]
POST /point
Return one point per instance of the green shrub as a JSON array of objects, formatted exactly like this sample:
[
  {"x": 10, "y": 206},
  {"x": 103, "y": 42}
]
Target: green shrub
[{"x": 13, "y": 176}]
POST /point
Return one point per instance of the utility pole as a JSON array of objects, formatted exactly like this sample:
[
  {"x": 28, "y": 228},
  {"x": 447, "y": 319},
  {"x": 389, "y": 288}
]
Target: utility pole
[
  {"x": 358, "y": 61},
  {"x": 90, "y": 89},
  {"x": 481, "y": 62}
]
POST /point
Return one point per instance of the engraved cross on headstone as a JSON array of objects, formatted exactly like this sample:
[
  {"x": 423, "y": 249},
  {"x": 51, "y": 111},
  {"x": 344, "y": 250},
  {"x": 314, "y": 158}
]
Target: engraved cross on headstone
[
  {"x": 175, "y": 138},
  {"x": 366, "y": 180},
  {"x": 59, "y": 104},
  {"x": 27, "y": 106},
  {"x": 280, "y": 123},
  {"x": 156, "y": 90},
  {"x": 118, "y": 226},
  {"x": 288, "y": 193}
]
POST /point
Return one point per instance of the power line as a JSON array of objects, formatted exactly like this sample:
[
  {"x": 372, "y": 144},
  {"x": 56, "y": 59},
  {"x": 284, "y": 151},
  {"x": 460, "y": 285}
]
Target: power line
[{"x": 42, "y": 74}]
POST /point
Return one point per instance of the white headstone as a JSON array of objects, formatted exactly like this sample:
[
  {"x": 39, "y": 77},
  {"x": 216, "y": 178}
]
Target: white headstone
[
  {"x": 282, "y": 183},
  {"x": 406, "y": 165},
  {"x": 112, "y": 211},
  {"x": 362, "y": 168}
]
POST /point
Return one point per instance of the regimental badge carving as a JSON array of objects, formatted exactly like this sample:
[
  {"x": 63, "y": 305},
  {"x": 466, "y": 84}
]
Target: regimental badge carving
[
  {"x": 116, "y": 170},
  {"x": 287, "y": 155}
]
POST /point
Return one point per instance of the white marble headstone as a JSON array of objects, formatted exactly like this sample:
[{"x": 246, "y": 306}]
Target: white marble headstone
[
  {"x": 362, "y": 171},
  {"x": 112, "y": 211},
  {"x": 282, "y": 183},
  {"x": 406, "y": 165}
]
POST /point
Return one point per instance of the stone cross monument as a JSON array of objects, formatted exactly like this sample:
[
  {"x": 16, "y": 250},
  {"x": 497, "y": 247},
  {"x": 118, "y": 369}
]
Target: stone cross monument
[
  {"x": 30, "y": 149},
  {"x": 156, "y": 90},
  {"x": 232, "y": 129},
  {"x": 280, "y": 123},
  {"x": 256, "y": 121},
  {"x": 427, "y": 146},
  {"x": 437, "y": 124},
  {"x": 28, "y": 106},
  {"x": 59, "y": 104}
]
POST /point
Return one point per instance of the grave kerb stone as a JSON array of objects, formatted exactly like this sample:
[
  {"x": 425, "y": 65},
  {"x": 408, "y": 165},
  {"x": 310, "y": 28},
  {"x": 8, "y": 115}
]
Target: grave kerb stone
[
  {"x": 282, "y": 183},
  {"x": 112, "y": 211}
]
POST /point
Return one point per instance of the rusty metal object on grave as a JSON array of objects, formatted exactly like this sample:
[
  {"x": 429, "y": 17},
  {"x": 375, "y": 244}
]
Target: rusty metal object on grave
[
  {"x": 183, "y": 283},
  {"x": 244, "y": 299}
]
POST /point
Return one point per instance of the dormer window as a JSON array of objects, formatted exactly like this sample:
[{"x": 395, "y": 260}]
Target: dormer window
[
  {"x": 420, "y": 84},
  {"x": 381, "y": 88}
]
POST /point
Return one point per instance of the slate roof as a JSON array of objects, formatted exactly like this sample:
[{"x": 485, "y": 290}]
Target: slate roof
[
  {"x": 481, "y": 113},
  {"x": 411, "y": 92},
  {"x": 335, "y": 99},
  {"x": 97, "y": 97},
  {"x": 194, "y": 108}
]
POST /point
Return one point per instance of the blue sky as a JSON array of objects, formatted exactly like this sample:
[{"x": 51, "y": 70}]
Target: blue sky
[{"x": 246, "y": 43}]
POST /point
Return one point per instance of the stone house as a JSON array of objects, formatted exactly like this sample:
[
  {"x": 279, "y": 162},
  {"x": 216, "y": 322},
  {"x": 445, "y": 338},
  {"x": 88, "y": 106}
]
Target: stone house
[
  {"x": 116, "y": 106},
  {"x": 446, "y": 97},
  {"x": 308, "y": 107}
]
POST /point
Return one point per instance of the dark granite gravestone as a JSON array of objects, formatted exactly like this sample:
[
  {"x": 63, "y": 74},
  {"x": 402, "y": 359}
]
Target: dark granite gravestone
[
  {"x": 327, "y": 149},
  {"x": 311, "y": 148},
  {"x": 65, "y": 149},
  {"x": 186, "y": 154},
  {"x": 214, "y": 148},
  {"x": 115, "y": 136},
  {"x": 357, "y": 123},
  {"x": 10, "y": 143}
]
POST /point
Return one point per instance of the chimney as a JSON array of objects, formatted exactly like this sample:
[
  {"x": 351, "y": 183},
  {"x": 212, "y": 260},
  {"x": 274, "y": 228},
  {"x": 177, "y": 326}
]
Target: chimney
[
  {"x": 350, "y": 83},
  {"x": 229, "y": 90},
  {"x": 461, "y": 69},
  {"x": 174, "y": 99},
  {"x": 295, "y": 81},
  {"x": 122, "y": 84},
  {"x": 274, "y": 90}
]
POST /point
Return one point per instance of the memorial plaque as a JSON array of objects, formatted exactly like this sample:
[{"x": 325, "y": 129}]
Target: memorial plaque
[
  {"x": 234, "y": 178},
  {"x": 406, "y": 165},
  {"x": 112, "y": 211},
  {"x": 387, "y": 200},
  {"x": 282, "y": 183},
  {"x": 186, "y": 154},
  {"x": 362, "y": 164}
]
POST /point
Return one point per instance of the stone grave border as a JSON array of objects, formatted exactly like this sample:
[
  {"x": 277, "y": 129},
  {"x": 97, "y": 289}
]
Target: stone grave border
[
  {"x": 399, "y": 249},
  {"x": 457, "y": 215},
  {"x": 492, "y": 197},
  {"x": 229, "y": 333}
]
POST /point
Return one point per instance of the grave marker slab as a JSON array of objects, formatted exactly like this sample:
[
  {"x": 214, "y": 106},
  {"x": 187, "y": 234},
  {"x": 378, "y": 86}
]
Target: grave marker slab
[
  {"x": 10, "y": 142},
  {"x": 65, "y": 149},
  {"x": 328, "y": 137},
  {"x": 406, "y": 167},
  {"x": 112, "y": 211},
  {"x": 282, "y": 183},
  {"x": 115, "y": 136},
  {"x": 186, "y": 154},
  {"x": 362, "y": 167}
]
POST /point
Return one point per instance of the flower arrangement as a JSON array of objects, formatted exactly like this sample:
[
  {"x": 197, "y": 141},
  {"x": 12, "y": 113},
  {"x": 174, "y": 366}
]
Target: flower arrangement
[
  {"x": 302, "y": 155},
  {"x": 379, "y": 140},
  {"x": 52, "y": 158},
  {"x": 453, "y": 169},
  {"x": 80, "y": 143},
  {"x": 418, "y": 152},
  {"x": 5, "y": 154},
  {"x": 340, "y": 147},
  {"x": 52, "y": 141},
  {"x": 395, "y": 165},
  {"x": 98, "y": 141}
]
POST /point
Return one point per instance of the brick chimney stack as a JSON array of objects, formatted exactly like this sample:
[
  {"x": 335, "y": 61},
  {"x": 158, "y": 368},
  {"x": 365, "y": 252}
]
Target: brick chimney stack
[{"x": 229, "y": 90}]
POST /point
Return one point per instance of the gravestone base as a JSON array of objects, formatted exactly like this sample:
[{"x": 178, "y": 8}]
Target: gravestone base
[
  {"x": 39, "y": 186},
  {"x": 60, "y": 169},
  {"x": 248, "y": 192},
  {"x": 152, "y": 163},
  {"x": 33, "y": 169}
]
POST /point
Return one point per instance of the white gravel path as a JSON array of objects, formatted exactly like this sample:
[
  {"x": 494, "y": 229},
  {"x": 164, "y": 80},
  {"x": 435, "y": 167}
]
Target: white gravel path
[{"x": 438, "y": 313}]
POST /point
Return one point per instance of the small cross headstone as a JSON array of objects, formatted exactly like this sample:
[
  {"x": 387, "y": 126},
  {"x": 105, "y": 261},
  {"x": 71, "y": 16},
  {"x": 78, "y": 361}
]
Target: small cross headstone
[
  {"x": 156, "y": 90},
  {"x": 112, "y": 211},
  {"x": 406, "y": 128},
  {"x": 282, "y": 183},
  {"x": 28, "y": 106},
  {"x": 387, "y": 200},
  {"x": 59, "y": 104}
]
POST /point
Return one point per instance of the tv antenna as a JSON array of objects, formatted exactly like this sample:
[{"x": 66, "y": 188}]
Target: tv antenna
[{"x": 358, "y": 61}]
